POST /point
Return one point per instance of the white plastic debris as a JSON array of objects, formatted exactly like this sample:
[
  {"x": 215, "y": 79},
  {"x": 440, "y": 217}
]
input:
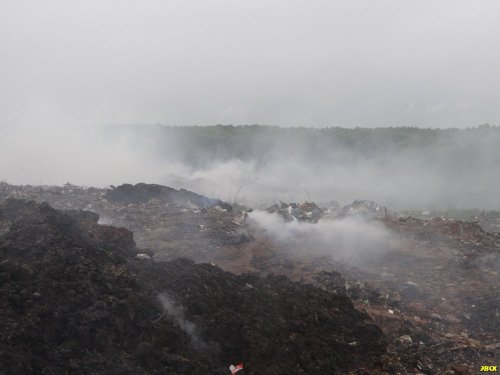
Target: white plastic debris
[
  {"x": 143, "y": 256},
  {"x": 234, "y": 369}
]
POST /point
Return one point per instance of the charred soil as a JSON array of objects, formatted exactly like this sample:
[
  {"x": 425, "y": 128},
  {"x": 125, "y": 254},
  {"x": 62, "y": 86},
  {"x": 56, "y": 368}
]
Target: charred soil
[
  {"x": 428, "y": 303},
  {"x": 74, "y": 299}
]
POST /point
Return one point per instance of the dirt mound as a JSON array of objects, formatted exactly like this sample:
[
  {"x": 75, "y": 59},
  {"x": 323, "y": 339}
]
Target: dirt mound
[
  {"x": 73, "y": 298},
  {"x": 144, "y": 193},
  {"x": 69, "y": 300},
  {"x": 272, "y": 324}
]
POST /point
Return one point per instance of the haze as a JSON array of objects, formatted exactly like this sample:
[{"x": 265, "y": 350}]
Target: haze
[
  {"x": 286, "y": 63},
  {"x": 69, "y": 68}
]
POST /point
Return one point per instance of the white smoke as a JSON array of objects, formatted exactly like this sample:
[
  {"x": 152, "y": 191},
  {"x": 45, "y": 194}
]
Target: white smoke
[
  {"x": 176, "y": 312},
  {"x": 353, "y": 238}
]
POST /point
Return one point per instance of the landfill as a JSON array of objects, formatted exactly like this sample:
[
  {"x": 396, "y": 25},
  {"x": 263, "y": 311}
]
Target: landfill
[{"x": 81, "y": 276}]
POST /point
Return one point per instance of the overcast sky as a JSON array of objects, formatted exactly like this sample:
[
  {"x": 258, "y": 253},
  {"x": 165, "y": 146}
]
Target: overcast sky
[{"x": 300, "y": 63}]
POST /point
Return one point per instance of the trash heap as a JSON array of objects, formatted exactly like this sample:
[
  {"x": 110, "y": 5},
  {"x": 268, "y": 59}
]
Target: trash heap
[
  {"x": 172, "y": 222},
  {"x": 74, "y": 298},
  {"x": 307, "y": 211},
  {"x": 433, "y": 290},
  {"x": 364, "y": 208},
  {"x": 311, "y": 212}
]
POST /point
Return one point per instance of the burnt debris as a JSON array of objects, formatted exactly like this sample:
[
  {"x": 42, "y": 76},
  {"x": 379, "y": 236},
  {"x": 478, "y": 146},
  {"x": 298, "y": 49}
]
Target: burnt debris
[
  {"x": 432, "y": 289},
  {"x": 75, "y": 299}
]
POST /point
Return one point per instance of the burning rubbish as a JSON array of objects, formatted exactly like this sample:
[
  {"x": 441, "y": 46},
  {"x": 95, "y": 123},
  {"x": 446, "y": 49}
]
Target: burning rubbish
[
  {"x": 426, "y": 302},
  {"x": 65, "y": 265},
  {"x": 176, "y": 312},
  {"x": 366, "y": 209},
  {"x": 309, "y": 212}
]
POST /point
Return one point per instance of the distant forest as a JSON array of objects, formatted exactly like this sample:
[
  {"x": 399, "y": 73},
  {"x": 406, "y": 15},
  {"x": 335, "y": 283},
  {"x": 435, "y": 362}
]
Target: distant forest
[
  {"x": 404, "y": 168},
  {"x": 201, "y": 145}
]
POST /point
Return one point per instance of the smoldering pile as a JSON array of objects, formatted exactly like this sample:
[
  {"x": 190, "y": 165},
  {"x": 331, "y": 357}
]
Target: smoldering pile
[
  {"x": 307, "y": 211},
  {"x": 313, "y": 213},
  {"x": 144, "y": 193},
  {"x": 75, "y": 299},
  {"x": 435, "y": 281}
]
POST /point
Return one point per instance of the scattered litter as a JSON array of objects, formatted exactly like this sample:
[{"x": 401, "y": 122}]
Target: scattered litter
[{"x": 234, "y": 369}]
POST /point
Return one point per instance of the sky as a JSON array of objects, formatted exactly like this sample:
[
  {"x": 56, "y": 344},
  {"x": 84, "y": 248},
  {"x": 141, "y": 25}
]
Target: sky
[{"x": 349, "y": 63}]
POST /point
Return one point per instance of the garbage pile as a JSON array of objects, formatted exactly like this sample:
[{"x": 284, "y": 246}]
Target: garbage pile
[
  {"x": 63, "y": 197},
  {"x": 172, "y": 222},
  {"x": 432, "y": 289},
  {"x": 436, "y": 285},
  {"x": 311, "y": 212},
  {"x": 307, "y": 211},
  {"x": 74, "y": 298},
  {"x": 364, "y": 208}
]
